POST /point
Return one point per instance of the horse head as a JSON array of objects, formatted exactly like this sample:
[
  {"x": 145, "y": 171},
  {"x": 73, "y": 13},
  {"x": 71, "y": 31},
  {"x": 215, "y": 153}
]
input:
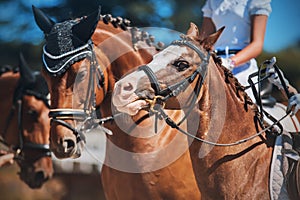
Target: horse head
[
  {"x": 228, "y": 135},
  {"x": 74, "y": 49},
  {"x": 27, "y": 125},
  {"x": 74, "y": 75},
  {"x": 175, "y": 75}
]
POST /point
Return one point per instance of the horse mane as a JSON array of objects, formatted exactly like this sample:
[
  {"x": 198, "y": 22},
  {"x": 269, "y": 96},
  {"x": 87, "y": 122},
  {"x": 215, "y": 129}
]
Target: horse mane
[
  {"x": 235, "y": 85},
  {"x": 136, "y": 33},
  {"x": 117, "y": 22}
]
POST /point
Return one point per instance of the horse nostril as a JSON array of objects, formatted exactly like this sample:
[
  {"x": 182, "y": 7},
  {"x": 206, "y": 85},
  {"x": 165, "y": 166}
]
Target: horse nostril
[
  {"x": 39, "y": 177},
  {"x": 68, "y": 145},
  {"x": 127, "y": 87}
]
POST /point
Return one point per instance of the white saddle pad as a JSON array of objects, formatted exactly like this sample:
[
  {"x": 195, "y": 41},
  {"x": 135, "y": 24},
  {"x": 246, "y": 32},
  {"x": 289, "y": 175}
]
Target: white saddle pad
[{"x": 278, "y": 111}]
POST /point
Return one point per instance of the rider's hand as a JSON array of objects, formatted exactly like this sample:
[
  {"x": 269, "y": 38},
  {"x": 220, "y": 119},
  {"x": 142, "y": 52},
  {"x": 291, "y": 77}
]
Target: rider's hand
[
  {"x": 6, "y": 159},
  {"x": 228, "y": 63},
  {"x": 293, "y": 104},
  {"x": 274, "y": 78},
  {"x": 273, "y": 75}
]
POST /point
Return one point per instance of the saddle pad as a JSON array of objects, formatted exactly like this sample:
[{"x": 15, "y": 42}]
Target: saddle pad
[
  {"x": 278, "y": 189},
  {"x": 290, "y": 123}
]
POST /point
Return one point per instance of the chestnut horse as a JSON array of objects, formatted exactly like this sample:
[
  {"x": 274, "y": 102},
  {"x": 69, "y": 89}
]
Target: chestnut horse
[
  {"x": 25, "y": 124},
  {"x": 231, "y": 151},
  {"x": 136, "y": 166}
]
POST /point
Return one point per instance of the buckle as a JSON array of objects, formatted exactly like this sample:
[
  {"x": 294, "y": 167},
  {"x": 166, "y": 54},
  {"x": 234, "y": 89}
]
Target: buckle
[{"x": 156, "y": 103}]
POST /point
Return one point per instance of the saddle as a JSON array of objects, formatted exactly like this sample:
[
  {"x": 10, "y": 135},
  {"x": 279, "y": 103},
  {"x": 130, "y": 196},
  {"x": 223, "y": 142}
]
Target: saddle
[
  {"x": 293, "y": 173},
  {"x": 291, "y": 141}
]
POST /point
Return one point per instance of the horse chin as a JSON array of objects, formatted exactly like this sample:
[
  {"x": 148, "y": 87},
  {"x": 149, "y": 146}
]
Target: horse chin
[
  {"x": 34, "y": 180},
  {"x": 132, "y": 108}
]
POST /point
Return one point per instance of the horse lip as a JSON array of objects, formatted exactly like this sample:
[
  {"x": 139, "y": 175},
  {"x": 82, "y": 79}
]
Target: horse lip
[
  {"x": 35, "y": 184},
  {"x": 145, "y": 94},
  {"x": 123, "y": 103},
  {"x": 134, "y": 107},
  {"x": 61, "y": 154}
]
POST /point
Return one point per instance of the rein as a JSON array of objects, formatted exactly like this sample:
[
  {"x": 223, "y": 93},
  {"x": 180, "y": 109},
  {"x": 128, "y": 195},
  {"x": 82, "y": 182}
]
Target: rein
[{"x": 173, "y": 124}]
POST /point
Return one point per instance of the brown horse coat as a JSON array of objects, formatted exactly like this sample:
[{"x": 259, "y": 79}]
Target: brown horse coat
[{"x": 128, "y": 175}]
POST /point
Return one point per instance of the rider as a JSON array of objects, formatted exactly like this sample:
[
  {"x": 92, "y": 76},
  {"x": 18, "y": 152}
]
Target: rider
[
  {"x": 6, "y": 158},
  {"x": 243, "y": 37}
]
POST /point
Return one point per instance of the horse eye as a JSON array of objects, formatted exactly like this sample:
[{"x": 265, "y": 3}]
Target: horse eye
[
  {"x": 33, "y": 113},
  {"x": 81, "y": 75},
  {"x": 181, "y": 65}
]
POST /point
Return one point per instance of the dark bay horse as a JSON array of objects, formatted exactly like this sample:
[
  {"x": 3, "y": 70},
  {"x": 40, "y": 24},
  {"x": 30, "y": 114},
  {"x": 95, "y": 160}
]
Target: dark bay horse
[
  {"x": 136, "y": 166},
  {"x": 25, "y": 124},
  {"x": 230, "y": 152}
]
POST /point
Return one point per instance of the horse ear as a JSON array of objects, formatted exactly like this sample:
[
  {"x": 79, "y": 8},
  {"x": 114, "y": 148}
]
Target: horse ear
[
  {"x": 26, "y": 74},
  {"x": 193, "y": 31},
  {"x": 209, "y": 42},
  {"x": 86, "y": 27},
  {"x": 43, "y": 21}
]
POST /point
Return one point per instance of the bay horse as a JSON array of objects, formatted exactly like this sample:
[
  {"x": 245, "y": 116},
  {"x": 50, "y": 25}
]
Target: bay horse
[
  {"x": 230, "y": 152},
  {"x": 24, "y": 122},
  {"x": 97, "y": 53}
]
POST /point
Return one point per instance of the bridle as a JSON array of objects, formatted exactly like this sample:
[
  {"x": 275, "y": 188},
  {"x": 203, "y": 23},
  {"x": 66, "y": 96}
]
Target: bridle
[
  {"x": 88, "y": 114},
  {"x": 157, "y": 103},
  {"x": 177, "y": 88},
  {"x": 162, "y": 95},
  {"x": 43, "y": 149}
]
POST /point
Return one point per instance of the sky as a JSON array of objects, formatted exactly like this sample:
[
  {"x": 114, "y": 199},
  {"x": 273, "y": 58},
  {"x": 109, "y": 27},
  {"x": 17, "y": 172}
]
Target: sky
[{"x": 283, "y": 28}]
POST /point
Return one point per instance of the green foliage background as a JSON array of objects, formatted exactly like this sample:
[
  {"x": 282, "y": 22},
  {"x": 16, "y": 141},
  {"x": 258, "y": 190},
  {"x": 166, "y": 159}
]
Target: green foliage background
[{"x": 289, "y": 61}]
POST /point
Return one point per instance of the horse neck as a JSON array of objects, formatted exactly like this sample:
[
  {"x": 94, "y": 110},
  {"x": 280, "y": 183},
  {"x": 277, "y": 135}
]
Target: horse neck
[
  {"x": 8, "y": 81},
  {"x": 225, "y": 117},
  {"x": 224, "y": 108},
  {"x": 118, "y": 46}
]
